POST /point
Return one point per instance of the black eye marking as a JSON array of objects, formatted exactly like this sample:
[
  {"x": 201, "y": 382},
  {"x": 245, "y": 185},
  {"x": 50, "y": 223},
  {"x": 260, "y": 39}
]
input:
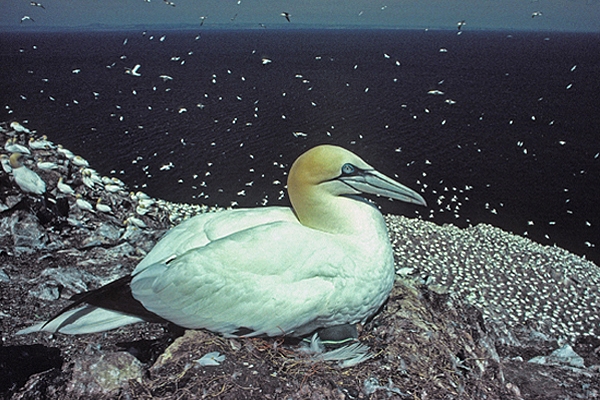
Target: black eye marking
[{"x": 348, "y": 169}]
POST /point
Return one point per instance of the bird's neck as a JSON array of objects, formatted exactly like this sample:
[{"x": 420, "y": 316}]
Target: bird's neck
[{"x": 337, "y": 214}]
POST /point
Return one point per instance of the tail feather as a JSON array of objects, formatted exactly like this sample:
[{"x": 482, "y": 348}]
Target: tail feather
[
  {"x": 108, "y": 307},
  {"x": 85, "y": 319}
]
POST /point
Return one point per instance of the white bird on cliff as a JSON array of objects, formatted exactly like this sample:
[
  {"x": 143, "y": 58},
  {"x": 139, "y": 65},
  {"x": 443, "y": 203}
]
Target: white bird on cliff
[
  {"x": 324, "y": 263},
  {"x": 12, "y": 146},
  {"x": 25, "y": 178}
]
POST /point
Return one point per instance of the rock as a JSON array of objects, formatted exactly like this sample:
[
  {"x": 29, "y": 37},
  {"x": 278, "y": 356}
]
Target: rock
[
  {"x": 55, "y": 281},
  {"x": 562, "y": 356},
  {"x": 27, "y": 234},
  {"x": 104, "y": 374}
]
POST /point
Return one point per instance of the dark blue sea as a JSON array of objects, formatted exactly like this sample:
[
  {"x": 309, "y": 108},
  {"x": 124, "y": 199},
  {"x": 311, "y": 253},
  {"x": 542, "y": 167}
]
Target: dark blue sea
[{"x": 494, "y": 127}]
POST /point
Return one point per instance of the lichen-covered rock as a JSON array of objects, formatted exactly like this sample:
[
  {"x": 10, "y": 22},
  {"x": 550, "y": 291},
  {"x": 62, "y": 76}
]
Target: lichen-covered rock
[{"x": 103, "y": 375}]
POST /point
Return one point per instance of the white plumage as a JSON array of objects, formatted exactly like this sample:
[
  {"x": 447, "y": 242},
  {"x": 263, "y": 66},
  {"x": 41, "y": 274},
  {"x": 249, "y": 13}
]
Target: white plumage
[
  {"x": 273, "y": 270},
  {"x": 25, "y": 178}
]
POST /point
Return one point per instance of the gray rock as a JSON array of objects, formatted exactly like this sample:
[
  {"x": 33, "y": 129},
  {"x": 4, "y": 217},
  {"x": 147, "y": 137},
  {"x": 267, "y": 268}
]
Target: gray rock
[
  {"x": 104, "y": 374},
  {"x": 27, "y": 234}
]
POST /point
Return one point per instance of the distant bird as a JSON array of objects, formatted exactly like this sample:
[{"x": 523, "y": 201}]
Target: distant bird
[
  {"x": 33, "y": 3},
  {"x": 202, "y": 19},
  {"x": 460, "y": 24},
  {"x": 17, "y": 127},
  {"x": 80, "y": 161},
  {"x": 234, "y": 17},
  {"x": 286, "y": 15},
  {"x": 266, "y": 60},
  {"x": 64, "y": 188},
  {"x": 323, "y": 265},
  {"x": 12, "y": 147},
  {"x": 83, "y": 204},
  {"x": 166, "y": 78},
  {"x": 133, "y": 71},
  {"x": 25, "y": 178},
  {"x": 27, "y": 17},
  {"x": 536, "y": 14},
  {"x": 5, "y": 161},
  {"x": 41, "y": 144},
  {"x": 262, "y": 25},
  {"x": 169, "y": 3},
  {"x": 103, "y": 207}
]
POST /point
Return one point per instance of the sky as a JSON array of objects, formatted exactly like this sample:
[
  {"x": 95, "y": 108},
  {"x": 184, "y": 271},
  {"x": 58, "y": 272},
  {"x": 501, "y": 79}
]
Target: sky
[{"x": 557, "y": 15}]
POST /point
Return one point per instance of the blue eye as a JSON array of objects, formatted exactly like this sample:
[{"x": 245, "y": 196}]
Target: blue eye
[{"x": 347, "y": 169}]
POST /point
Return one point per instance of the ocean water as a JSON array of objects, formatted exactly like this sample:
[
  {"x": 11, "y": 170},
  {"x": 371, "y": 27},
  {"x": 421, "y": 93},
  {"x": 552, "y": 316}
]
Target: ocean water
[{"x": 512, "y": 137}]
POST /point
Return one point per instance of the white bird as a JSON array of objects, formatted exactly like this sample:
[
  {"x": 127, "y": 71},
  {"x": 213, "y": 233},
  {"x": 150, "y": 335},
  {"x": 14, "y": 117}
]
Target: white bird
[
  {"x": 5, "y": 161},
  {"x": 103, "y": 207},
  {"x": 41, "y": 144},
  {"x": 12, "y": 147},
  {"x": 64, "y": 188},
  {"x": 133, "y": 71},
  {"x": 536, "y": 14},
  {"x": 25, "y": 178},
  {"x": 65, "y": 152},
  {"x": 325, "y": 263},
  {"x": 17, "y": 127},
  {"x": 47, "y": 165},
  {"x": 80, "y": 161},
  {"x": 83, "y": 204}
]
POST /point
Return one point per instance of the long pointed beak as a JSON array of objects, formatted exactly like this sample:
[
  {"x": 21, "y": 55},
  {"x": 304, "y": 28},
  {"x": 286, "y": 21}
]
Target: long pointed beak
[{"x": 374, "y": 182}]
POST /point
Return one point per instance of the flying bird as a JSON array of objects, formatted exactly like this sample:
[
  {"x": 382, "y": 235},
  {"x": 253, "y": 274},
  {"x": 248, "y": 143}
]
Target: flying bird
[
  {"x": 202, "y": 19},
  {"x": 286, "y": 15},
  {"x": 133, "y": 71},
  {"x": 324, "y": 263},
  {"x": 460, "y": 24},
  {"x": 27, "y": 17},
  {"x": 35, "y": 4},
  {"x": 536, "y": 14}
]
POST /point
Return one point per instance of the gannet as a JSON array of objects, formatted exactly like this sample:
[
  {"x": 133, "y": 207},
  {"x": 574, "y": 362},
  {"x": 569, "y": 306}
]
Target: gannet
[
  {"x": 287, "y": 15},
  {"x": 27, "y": 17},
  {"x": 12, "y": 147},
  {"x": 133, "y": 71},
  {"x": 25, "y": 178},
  {"x": 17, "y": 127},
  {"x": 536, "y": 14},
  {"x": 63, "y": 187},
  {"x": 41, "y": 144},
  {"x": 103, "y": 207},
  {"x": 460, "y": 24},
  {"x": 36, "y": 4},
  {"x": 323, "y": 263}
]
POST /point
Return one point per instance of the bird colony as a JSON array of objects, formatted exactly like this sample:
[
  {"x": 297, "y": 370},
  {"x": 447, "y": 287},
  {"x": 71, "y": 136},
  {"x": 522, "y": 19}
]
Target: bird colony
[{"x": 517, "y": 283}]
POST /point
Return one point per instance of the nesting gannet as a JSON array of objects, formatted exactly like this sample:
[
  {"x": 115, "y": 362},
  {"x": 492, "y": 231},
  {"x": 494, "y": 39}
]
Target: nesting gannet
[
  {"x": 12, "y": 147},
  {"x": 17, "y": 127},
  {"x": 5, "y": 161},
  {"x": 25, "y": 178},
  {"x": 83, "y": 204},
  {"x": 325, "y": 262},
  {"x": 103, "y": 207},
  {"x": 63, "y": 187},
  {"x": 41, "y": 144}
]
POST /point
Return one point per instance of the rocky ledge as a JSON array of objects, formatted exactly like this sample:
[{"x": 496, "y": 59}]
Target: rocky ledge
[{"x": 475, "y": 313}]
